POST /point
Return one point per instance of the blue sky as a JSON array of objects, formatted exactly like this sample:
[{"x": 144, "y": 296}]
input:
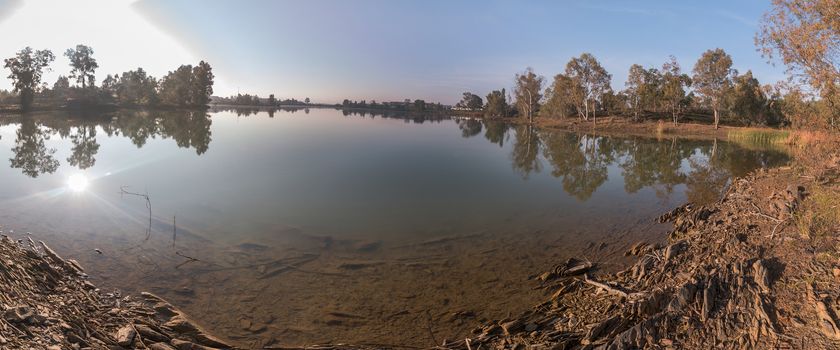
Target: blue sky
[{"x": 432, "y": 49}]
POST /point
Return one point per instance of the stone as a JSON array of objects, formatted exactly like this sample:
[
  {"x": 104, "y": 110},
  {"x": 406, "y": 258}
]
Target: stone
[
  {"x": 125, "y": 336},
  {"x": 244, "y": 323},
  {"x": 147, "y": 332},
  {"x": 180, "y": 324}
]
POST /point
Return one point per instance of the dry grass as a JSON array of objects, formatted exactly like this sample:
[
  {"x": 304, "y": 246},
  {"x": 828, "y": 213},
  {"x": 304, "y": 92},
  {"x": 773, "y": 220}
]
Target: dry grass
[
  {"x": 660, "y": 129},
  {"x": 807, "y": 138},
  {"x": 820, "y": 213}
]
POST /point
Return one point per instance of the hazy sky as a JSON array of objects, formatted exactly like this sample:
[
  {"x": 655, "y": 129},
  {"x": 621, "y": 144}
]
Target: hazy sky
[{"x": 381, "y": 49}]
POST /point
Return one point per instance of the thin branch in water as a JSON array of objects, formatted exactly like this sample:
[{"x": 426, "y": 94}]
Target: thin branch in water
[
  {"x": 124, "y": 191},
  {"x": 429, "y": 327},
  {"x": 189, "y": 259},
  {"x": 174, "y": 230}
]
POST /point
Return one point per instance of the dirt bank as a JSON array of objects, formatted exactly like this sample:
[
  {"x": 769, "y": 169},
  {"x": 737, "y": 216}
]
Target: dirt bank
[
  {"x": 48, "y": 303},
  {"x": 758, "y": 269}
]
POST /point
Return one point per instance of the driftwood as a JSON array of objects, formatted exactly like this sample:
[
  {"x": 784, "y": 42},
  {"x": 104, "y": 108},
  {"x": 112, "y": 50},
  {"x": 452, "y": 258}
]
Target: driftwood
[{"x": 606, "y": 287}]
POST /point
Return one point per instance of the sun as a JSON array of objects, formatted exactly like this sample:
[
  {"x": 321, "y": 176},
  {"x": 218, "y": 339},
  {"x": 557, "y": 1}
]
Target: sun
[{"x": 77, "y": 182}]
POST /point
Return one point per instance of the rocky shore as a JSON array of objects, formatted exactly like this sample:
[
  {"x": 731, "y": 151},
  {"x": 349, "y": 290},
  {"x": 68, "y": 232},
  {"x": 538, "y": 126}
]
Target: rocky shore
[
  {"x": 48, "y": 303},
  {"x": 758, "y": 269}
]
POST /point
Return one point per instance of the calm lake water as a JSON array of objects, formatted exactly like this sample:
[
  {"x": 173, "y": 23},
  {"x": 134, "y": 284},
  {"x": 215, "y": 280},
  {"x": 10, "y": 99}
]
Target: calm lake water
[{"x": 321, "y": 225}]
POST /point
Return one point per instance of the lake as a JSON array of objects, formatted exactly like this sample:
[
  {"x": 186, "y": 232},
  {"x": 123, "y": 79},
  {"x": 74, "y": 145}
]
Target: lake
[{"x": 318, "y": 225}]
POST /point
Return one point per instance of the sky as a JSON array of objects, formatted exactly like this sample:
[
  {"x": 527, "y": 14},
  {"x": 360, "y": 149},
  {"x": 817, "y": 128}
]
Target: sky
[{"x": 382, "y": 50}]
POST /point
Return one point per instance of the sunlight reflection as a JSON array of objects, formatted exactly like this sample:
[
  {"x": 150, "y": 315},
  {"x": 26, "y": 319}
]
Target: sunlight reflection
[{"x": 77, "y": 182}]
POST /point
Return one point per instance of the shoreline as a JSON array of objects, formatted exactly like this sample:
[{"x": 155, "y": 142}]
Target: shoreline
[
  {"x": 621, "y": 126},
  {"x": 48, "y": 303},
  {"x": 745, "y": 272}
]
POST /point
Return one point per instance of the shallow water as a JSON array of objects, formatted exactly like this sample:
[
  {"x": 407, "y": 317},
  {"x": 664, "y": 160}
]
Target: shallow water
[{"x": 320, "y": 225}]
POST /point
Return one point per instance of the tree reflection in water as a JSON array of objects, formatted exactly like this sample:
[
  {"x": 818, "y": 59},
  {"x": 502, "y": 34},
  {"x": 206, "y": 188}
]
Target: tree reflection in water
[
  {"x": 189, "y": 129},
  {"x": 582, "y": 161}
]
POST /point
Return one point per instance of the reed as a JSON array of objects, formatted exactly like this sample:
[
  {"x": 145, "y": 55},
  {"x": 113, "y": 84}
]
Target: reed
[{"x": 759, "y": 137}]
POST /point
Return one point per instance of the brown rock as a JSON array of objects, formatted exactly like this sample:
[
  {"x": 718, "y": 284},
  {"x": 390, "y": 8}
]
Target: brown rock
[
  {"x": 147, "y": 333},
  {"x": 180, "y": 324},
  {"x": 125, "y": 336}
]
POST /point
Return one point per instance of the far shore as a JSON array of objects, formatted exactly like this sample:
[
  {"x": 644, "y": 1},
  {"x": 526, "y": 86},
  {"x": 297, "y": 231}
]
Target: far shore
[{"x": 608, "y": 125}]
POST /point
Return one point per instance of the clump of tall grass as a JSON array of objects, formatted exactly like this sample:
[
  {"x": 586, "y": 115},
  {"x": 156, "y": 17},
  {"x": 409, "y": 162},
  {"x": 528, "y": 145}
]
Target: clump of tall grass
[{"x": 759, "y": 137}]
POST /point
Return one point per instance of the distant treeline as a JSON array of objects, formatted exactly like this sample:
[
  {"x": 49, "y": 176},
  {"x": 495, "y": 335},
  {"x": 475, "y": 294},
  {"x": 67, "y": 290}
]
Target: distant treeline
[
  {"x": 187, "y": 86},
  {"x": 255, "y": 100},
  {"x": 405, "y": 106},
  {"x": 713, "y": 91},
  {"x": 416, "y": 106}
]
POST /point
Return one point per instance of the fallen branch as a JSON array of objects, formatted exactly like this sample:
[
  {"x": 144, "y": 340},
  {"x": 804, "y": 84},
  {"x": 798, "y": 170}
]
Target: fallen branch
[{"x": 605, "y": 287}]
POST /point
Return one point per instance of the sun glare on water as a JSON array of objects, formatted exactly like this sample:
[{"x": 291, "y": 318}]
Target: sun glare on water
[{"x": 77, "y": 182}]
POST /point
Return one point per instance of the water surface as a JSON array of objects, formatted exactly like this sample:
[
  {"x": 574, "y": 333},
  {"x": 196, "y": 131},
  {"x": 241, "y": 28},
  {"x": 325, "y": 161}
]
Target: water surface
[{"x": 323, "y": 225}]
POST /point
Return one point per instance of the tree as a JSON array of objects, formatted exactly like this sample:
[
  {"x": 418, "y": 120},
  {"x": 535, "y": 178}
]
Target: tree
[
  {"x": 419, "y": 106},
  {"x": 562, "y": 96},
  {"x": 528, "y": 92},
  {"x": 674, "y": 83},
  {"x": 133, "y": 88},
  {"x": 61, "y": 87},
  {"x": 176, "y": 87},
  {"x": 83, "y": 63},
  {"x": 272, "y": 101},
  {"x": 497, "y": 105},
  {"x": 202, "y": 84},
  {"x": 306, "y": 100},
  {"x": 806, "y": 35},
  {"x": 613, "y": 103},
  {"x": 470, "y": 101},
  {"x": 593, "y": 79},
  {"x": 745, "y": 100},
  {"x": 712, "y": 77},
  {"x": 27, "y": 68},
  {"x": 633, "y": 89},
  {"x": 109, "y": 84}
]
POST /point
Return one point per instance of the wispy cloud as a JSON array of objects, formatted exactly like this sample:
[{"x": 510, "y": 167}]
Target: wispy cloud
[
  {"x": 738, "y": 18},
  {"x": 628, "y": 10}
]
